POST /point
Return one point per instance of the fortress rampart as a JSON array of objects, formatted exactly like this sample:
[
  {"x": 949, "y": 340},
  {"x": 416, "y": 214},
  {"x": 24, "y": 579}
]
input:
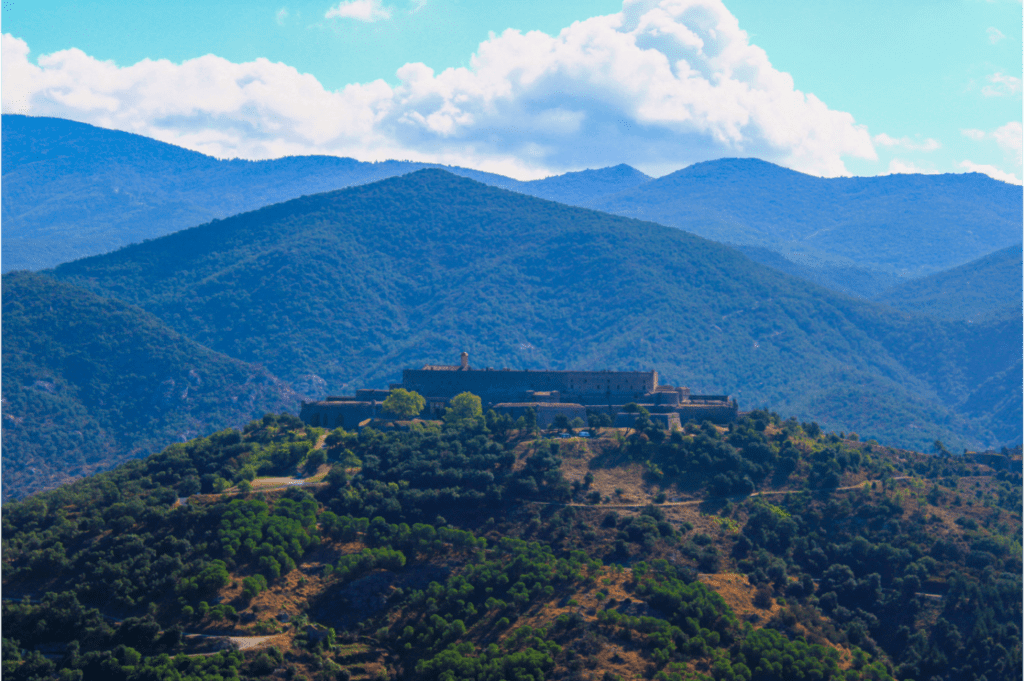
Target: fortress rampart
[
  {"x": 549, "y": 393},
  {"x": 505, "y": 385}
]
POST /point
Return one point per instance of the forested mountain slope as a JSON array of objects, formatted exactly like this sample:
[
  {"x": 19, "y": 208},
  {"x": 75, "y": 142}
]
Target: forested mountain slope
[
  {"x": 72, "y": 189},
  {"x": 472, "y": 551},
  {"x": 975, "y": 291},
  {"x": 357, "y": 284},
  {"x": 909, "y": 225},
  {"x": 90, "y": 382}
]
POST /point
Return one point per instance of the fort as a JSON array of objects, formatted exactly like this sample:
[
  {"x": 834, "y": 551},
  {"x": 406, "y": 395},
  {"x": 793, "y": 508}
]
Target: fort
[{"x": 574, "y": 394}]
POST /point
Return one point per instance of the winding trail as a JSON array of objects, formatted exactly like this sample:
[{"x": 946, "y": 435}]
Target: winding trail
[{"x": 692, "y": 502}]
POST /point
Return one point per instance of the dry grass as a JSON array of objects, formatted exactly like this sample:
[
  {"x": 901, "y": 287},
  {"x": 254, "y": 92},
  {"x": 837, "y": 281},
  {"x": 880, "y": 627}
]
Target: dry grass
[{"x": 738, "y": 593}]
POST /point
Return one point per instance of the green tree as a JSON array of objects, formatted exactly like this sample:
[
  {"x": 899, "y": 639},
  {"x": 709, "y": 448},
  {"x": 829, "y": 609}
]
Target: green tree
[
  {"x": 405, "y": 403},
  {"x": 464, "y": 406}
]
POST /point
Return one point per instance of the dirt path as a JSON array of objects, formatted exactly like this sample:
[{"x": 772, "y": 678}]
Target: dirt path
[
  {"x": 691, "y": 502},
  {"x": 249, "y": 642}
]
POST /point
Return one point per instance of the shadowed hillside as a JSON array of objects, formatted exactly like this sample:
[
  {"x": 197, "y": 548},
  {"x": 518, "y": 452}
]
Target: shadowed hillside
[
  {"x": 972, "y": 292},
  {"x": 357, "y": 284},
  {"x": 90, "y": 382}
]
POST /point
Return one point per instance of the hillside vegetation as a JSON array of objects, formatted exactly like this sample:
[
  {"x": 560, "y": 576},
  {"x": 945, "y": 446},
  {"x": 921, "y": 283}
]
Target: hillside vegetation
[
  {"x": 90, "y": 382},
  {"x": 355, "y": 285},
  {"x": 907, "y": 225},
  {"x": 981, "y": 289},
  {"x": 767, "y": 551}
]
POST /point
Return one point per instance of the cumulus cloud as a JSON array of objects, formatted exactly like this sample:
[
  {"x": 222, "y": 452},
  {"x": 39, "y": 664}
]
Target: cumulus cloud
[
  {"x": 1001, "y": 85},
  {"x": 994, "y": 34},
  {"x": 362, "y": 10},
  {"x": 928, "y": 144},
  {"x": 991, "y": 171},
  {"x": 659, "y": 85},
  {"x": 281, "y": 16},
  {"x": 1010, "y": 140}
]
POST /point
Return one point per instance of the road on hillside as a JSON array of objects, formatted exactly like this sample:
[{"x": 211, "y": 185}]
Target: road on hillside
[{"x": 691, "y": 502}]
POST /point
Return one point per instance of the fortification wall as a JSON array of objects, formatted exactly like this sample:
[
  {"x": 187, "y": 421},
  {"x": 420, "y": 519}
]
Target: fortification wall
[
  {"x": 716, "y": 413},
  {"x": 347, "y": 415},
  {"x": 546, "y": 411},
  {"x": 584, "y": 387}
]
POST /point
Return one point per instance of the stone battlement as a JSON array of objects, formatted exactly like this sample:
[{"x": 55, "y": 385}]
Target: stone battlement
[{"x": 567, "y": 392}]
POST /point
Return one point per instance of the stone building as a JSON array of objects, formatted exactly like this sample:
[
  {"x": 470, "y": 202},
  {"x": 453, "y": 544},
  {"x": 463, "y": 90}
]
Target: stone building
[{"x": 510, "y": 391}]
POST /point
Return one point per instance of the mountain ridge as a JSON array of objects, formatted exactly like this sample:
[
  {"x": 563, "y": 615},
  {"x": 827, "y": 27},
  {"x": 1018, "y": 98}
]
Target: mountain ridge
[
  {"x": 908, "y": 225},
  {"x": 72, "y": 190}
]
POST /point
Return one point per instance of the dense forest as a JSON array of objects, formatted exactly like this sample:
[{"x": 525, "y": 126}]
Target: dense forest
[
  {"x": 353, "y": 286},
  {"x": 477, "y": 548},
  {"x": 89, "y": 382}
]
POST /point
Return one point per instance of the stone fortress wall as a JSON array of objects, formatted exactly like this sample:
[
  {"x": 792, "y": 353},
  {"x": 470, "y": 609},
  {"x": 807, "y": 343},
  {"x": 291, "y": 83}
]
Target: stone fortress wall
[
  {"x": 549, "y": 393},
  {"x": 505, "y": 385}
]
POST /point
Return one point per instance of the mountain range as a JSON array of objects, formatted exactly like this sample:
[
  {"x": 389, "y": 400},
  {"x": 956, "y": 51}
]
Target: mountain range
[
  {"x": 338, "y": 290},
  {"x": 355, "y": 285},
  {"x": 72, "y": 190},
  {"x": 905, "y": 225}
]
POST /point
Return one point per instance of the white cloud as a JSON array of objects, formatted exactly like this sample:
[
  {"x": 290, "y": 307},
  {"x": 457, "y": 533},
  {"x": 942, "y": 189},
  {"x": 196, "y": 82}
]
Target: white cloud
[
  {"x": 362, "y": 10},
  {"x": 991, "y": 171},
  {"x": 994, "y": 34},
  {"x": 1001, "y": 85},
  {"x": 1010, "y": 140},
  {"x": 660, "y": 85},
  {"x": 899, "y": 166},
  {"x": 281, "y": 16},
  {"x": 927, "y": 144},
  {"x": 417, "y": 5}
]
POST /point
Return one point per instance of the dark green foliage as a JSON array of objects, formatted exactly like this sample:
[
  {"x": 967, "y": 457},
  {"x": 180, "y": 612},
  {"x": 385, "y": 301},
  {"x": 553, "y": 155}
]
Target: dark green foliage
[
  {"x": 412, "y": 476},
  {"x": 848, "y": 567},
  {"x": 866, "y": 565},
  {"x": 91, "y": 382}
]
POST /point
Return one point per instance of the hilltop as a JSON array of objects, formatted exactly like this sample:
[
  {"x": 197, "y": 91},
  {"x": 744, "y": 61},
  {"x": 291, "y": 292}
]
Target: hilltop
[
  {"x": 71, "y": 189},
  {"x": 905, "y": 225},
  {"x": 356, "y": 284},
  {"x": 465, "y": 551},
  {"x": 89, "y": 382}
]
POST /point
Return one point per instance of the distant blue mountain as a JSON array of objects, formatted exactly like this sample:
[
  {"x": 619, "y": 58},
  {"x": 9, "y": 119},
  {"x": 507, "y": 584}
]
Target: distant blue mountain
[
  {"x": 71, "y": 190},
  {"x": 903, "y": 225}
]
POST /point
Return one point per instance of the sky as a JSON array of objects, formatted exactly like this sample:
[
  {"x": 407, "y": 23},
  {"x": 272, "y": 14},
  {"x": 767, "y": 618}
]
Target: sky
[{"x": 535, "y": 88}]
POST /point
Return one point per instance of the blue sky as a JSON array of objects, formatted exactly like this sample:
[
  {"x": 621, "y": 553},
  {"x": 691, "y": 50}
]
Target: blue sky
[{"x": 824, "y": 87}]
